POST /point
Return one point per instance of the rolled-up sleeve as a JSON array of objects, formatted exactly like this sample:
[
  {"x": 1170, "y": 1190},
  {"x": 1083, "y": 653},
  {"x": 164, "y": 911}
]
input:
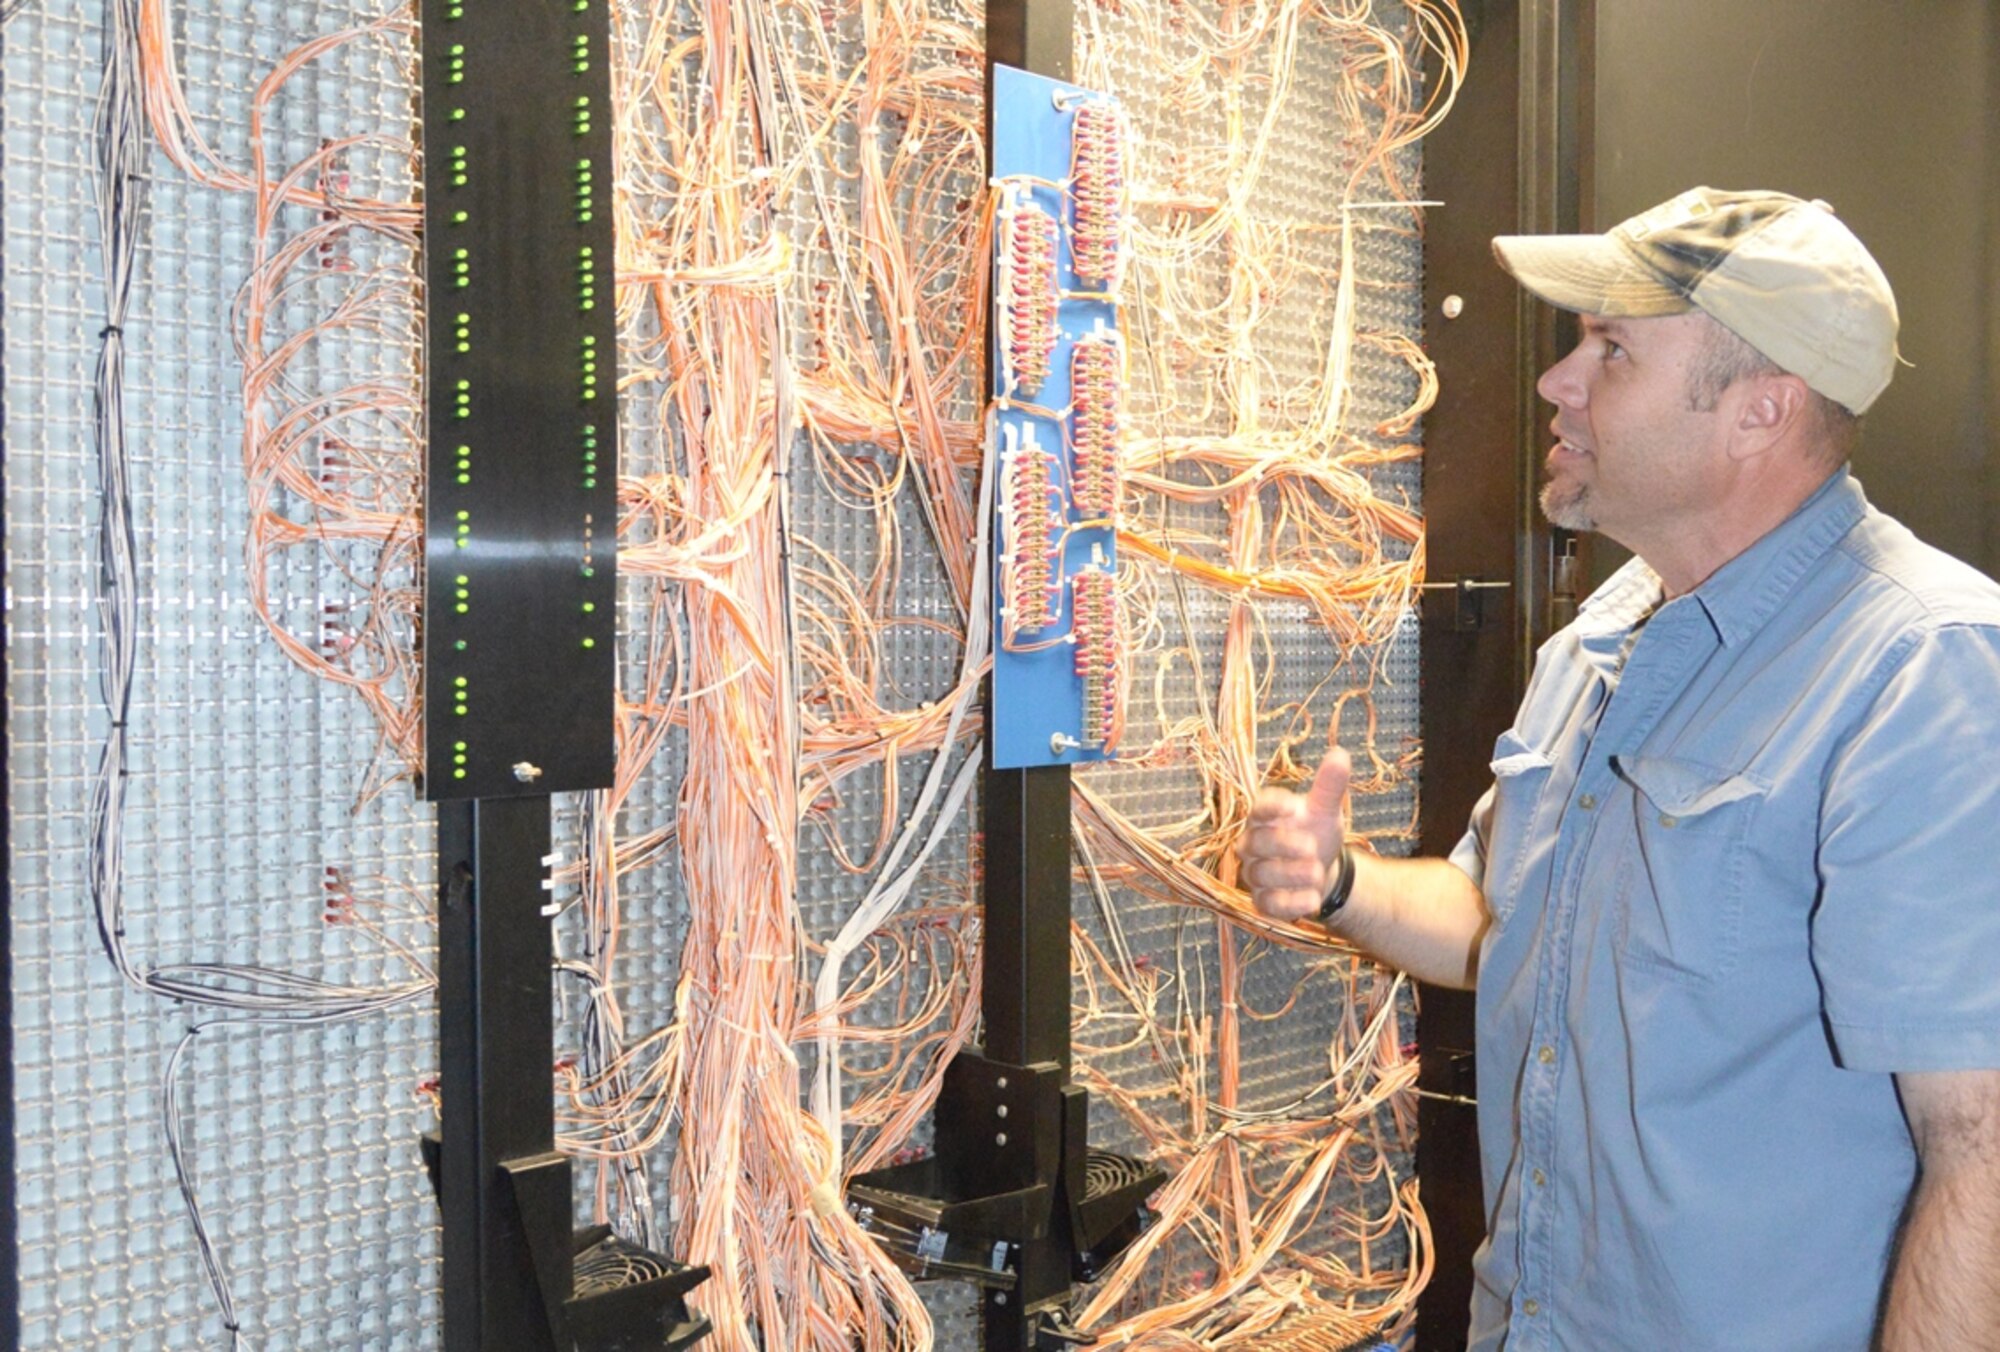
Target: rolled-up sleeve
[
  {"x": 1470, "y": 852},
  {"x": 1906, "y": 935}
]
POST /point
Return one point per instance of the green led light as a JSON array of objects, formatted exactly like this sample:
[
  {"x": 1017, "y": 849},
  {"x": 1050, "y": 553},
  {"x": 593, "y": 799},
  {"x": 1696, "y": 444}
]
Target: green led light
[
  {"x": 462, "y": 608},
  {"x": 583, "y": 164},
  {"x": 458, "y": 49},
  {"x": 456, "y": 77},
  {"x": 465, "y": 478},
  {"x": 590, "y": 643},
  {"x": 459, "y": 746},
  {"x": 590, "y": 483},
  {"x": 459, "y": 759},
  {"x": 590, "y": 429},
  {"x": 462, "y": 542},
  {"x": 458, "y": 773},
  {"x": 589, "y": 606},
  {"x": 460, "y": 645},
  {"x": 461, "y": 680},
  {"x": 464, "y": 515},
  {"x": 460, "y": 217},
  {"x": 590, "y": 455},
  {"x": 588, "y": 571},
  {"x": 461, "y": 580},
  {"x": 458, "y": 114}
]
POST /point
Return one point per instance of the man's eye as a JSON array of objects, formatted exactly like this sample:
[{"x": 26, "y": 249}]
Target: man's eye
[{"x": 1612, "y": 349}]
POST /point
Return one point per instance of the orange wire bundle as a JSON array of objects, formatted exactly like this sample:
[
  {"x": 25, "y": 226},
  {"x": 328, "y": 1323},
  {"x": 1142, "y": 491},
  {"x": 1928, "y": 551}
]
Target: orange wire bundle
[{"x": 802, "y": 277}]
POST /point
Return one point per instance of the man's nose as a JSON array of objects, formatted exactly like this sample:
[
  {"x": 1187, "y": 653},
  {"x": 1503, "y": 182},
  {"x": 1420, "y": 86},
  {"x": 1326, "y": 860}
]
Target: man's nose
[{"x": 1562, "y": 384}]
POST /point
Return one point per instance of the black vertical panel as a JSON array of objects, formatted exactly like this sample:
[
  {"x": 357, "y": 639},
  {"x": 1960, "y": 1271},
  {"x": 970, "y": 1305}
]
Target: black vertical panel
[
  {"x": 521, "y": 365},
  {"x": 496, "y": 1039},
  {"x": 1505, "y": 161},
  {"x": 1025, "y": 986},
  {"x": 1025, "y": 822}
]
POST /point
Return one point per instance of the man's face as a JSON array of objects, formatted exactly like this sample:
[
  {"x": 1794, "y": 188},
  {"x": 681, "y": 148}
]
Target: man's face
[{"x": 1632, "y": 459}]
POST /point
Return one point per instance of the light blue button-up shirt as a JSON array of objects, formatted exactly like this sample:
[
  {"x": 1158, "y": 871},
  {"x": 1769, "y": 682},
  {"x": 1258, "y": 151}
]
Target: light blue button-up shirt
[{"x": 1740, "y": 853}]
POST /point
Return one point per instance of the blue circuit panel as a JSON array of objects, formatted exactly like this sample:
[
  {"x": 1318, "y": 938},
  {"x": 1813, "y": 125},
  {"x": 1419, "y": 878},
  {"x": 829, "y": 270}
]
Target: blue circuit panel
[{"x": 1038, "y": 696}]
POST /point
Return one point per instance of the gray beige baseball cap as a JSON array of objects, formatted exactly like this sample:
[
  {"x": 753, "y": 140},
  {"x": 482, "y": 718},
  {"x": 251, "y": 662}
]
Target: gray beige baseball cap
[{"x": 1783, "y": 274}]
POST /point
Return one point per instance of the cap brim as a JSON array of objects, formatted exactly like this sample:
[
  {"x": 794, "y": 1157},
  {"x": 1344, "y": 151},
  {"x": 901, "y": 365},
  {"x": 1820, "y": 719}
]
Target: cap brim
[{"x": 1591, "y": 274}]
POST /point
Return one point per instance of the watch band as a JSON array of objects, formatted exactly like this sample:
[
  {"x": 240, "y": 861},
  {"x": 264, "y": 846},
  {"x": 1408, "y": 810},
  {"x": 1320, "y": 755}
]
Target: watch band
[{"x": 1342, "y": 887}]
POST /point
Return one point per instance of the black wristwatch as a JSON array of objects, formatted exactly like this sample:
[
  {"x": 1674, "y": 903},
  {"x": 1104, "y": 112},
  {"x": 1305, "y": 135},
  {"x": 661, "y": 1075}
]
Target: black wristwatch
[{"x": 1342, "y": 888}]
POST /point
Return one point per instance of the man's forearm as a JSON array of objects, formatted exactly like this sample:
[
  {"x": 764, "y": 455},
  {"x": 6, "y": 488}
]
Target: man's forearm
[
  {"x": 1423, "y": 916},
  {"x": 1945, "y": 1292}
]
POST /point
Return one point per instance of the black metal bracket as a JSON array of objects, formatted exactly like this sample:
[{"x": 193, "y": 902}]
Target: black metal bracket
[
  {"x": 1468, "y": 600},
  {"x": 516, "y": 1274}
]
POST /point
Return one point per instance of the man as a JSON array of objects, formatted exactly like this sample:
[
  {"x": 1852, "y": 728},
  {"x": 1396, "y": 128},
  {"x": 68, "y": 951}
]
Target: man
[{"x": 1729, "y": 906}]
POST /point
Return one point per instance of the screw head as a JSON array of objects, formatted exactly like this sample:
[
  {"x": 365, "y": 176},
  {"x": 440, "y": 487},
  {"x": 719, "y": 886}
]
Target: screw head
[{"x": 527, "y": 771}]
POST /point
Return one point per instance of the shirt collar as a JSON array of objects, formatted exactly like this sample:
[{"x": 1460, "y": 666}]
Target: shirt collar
[
  {"x": 1739, "y": 596},
  {"x": 1742, "y": 594}
]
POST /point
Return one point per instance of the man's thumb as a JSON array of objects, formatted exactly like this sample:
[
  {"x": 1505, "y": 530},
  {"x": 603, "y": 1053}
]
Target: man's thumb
[{"x": 1329, "y": 786}]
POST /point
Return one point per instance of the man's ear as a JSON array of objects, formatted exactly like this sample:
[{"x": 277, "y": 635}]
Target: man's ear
[{"x": 1771, "y": 408}]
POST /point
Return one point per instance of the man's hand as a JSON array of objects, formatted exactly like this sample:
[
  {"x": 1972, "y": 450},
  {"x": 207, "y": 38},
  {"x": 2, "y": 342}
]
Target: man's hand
[{"x": 1291, "y": 841}]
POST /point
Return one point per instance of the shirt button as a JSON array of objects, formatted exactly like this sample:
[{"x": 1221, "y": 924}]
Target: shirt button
[
  {"x": 1669, "y": 822},
  {"x": 1541, "y": 1179},
  {"x": 1587, "y": 802},
  {"x": 1531, "y": 1306},
  {"x": 1547, "y": 1056}
]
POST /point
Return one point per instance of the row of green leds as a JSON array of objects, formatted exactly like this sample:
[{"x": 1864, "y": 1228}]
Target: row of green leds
[{"x": 456, "y": 9}]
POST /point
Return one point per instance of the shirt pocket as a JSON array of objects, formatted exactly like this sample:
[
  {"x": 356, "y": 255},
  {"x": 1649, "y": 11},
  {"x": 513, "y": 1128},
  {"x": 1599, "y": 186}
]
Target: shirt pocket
[
  {"x": 1520, "y": 774},
  {"x": 1681, "y": 881}
]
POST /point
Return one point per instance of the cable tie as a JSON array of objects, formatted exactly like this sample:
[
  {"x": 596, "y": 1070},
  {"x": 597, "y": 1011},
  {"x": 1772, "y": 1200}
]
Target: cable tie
[{"x": 108, "y": 330}]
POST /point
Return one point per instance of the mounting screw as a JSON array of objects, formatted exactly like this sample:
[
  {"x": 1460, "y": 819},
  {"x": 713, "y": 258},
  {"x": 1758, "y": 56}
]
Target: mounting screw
[
  {"x": 1000, "y": 1138},
  {"x": 999, "y": 1297},
  {"x": 1060, "y": 742},
  {"x": 1453, "y": 307},
  {"x": 1000, "y": 1111},
  {"x": 527, "y": 771}
]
